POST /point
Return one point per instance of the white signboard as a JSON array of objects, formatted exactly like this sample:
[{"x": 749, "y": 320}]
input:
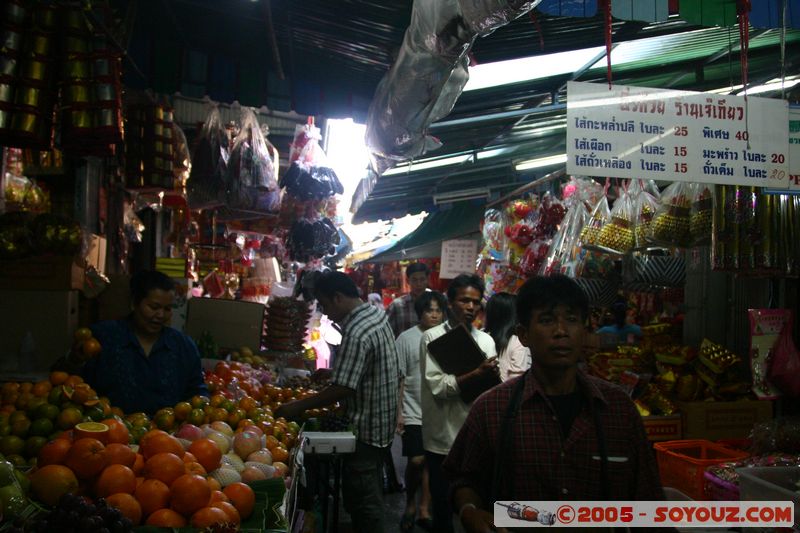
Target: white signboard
[
  {"x": 794, "y": 143},
  {"x": 638, "y": 132},
  {"x": 458, "y": 257}
]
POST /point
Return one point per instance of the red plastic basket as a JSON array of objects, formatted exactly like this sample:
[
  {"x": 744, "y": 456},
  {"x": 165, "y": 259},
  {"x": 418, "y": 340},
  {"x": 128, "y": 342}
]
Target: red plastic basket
[
  {"x": 720, "y": 490},
  {"x": 682, "y": 463}
]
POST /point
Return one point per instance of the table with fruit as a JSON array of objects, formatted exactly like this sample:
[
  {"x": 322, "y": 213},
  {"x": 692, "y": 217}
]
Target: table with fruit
[{"x": 72, "y": 461}]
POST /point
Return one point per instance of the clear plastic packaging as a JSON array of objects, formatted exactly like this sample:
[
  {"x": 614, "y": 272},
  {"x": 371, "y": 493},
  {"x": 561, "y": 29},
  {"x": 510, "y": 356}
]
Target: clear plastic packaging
[
  {"x": 206, "y": 185},
  {"x": 617, "y": 234},
  {"x": 672, "y": 221},
  {"x": 600, "y": 216},
  {"x": 702, "y": 208},
  {"x": 251, "y": 185}
]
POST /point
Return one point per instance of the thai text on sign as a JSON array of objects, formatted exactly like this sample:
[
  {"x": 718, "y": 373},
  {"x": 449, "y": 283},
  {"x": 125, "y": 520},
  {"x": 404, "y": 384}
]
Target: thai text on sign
[{"x": 638, "y": 132}]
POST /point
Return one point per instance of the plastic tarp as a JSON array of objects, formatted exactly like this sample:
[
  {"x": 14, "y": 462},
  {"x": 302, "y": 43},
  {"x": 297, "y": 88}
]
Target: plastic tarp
[
  {"x": 429, "y": 74},
  {"x": 462, "y": 220}
]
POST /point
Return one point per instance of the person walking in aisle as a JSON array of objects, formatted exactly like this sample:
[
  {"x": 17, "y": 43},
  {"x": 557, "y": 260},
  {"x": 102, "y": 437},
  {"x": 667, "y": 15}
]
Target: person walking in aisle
[
  {"x": 443, "y": 410},
  {"x": 401, "y": 312},
  {"x": 366, "y": 378},
  {"x": 430, "y": 308},
  {"x": 555, "y": 433},
  {"x": 513, "y": 359}
]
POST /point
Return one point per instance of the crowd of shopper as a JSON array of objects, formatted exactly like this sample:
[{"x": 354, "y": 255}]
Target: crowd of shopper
[{"x": 549, "y": 431}]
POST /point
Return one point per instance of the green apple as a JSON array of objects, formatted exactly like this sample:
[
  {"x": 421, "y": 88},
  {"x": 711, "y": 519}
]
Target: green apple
[{"x": 7, "y": 476}]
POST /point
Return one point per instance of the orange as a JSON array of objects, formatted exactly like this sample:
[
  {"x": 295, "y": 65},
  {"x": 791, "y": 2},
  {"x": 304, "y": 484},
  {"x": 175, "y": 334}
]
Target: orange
[
  {"x": 26, "y": 386},
  {"x": 166, "y": 518},
  {"x": 182, "y": 410},
  {"x": 166, "y": 467},
  {"x": 83, "y": 393},
  {"x": 207, "y": 452},
  {"x": 48, "y": 484},
  {"x": 73, "y": 380},
  {"x": 189, "y": 494},
  {"x": 86, "y": 458},
  {"x": 247, "y": 403},
  {"x": 242, "y": 497},
  {"x": 42, "y": 388},
  {"x": 117, "y": 431},
  {"x": 127, "y": 505},
  {"x": 217, "y": 496},
  {"x": 272, "y": 443},
  {"x": 91, "y": 347},
  {"x": 54, "y": 452},
  {"x": 138, "y": 464},
  {"x": 91, "y": 430},
  {"x": 188, "y": 457},
  {"x": 213, "y": 484},
  {"x": 198, "y": 402},
  {"x": 165, "y": 418},
  {"x": 139, "y": 420},
  {"x": 139, "y": 481},
  {"x": 160, "y": 444},
  {"x": 195, "y": 468},
  {"x": 115, "y": 479},
  {"x": 209, "y": 516},
  {"x": 120, "y": 454},
  {"x": 230, "y": 510},
  {"x": 83, "y": 334},
  {"x": 152, "y": 495},
  {"x": 69, "y": 417},
  {"x": 280, "y": 454}
]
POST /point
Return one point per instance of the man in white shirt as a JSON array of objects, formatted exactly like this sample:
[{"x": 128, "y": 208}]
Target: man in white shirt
[
  {"x": 431, "y": 308},
  {"x": 443, "y": 410}
]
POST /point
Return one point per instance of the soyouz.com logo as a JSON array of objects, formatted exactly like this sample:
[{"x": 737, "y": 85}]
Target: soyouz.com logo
[{"x": 519, "y": 514}]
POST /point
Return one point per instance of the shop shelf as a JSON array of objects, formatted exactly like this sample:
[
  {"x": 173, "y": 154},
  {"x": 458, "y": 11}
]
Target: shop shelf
[
  {"x": 771, "y": 483},
  {"x": 682, "y": 463}
]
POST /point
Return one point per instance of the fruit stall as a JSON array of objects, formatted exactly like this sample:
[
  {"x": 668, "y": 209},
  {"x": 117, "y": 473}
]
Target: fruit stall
[{"x": 71, "y": 458}]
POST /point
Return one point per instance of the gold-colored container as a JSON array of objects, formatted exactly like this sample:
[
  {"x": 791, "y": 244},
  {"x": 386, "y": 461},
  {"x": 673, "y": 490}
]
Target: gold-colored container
[
  {"x": 76, "y": 45},
  {"x": 76, "y": 69},
  {"x": 45, "y": 16},
  {"x": 81, "y": 118},
  {"x": 75, "y": 20},
  {"x": 77, "y": 93},
  {"x": 24, "y": 122},
  {"x": 29, "y": 96},
  {"x": 8, "y": 66},
  {"x": 34, "y": 70},
  {"x": 11, "y": 40},
  {"x": 5, "y": 119},
  {"x": 40, "y": 44},
  {"x": 6, "y": 93},
  {"x": 107, "y": 118},
  {"x": 101, "y": 67},
  {"x": 105, "y": 92}
]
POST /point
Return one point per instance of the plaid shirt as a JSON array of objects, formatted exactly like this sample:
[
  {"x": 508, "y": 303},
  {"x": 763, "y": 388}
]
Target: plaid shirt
[
  {"x": 367, "y": 362},
  {"x": 401, "y": 314},
  {"x": 543, "y": 465}
]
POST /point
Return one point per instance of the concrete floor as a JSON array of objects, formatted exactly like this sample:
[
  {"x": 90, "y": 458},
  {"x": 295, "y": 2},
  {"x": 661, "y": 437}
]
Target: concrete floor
[{"x": 394, "y": 503}]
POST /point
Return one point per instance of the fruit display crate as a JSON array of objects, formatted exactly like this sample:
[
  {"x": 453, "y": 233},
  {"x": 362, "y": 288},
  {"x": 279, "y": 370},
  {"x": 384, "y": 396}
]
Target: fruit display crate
[{"x": 682, "y": 463}]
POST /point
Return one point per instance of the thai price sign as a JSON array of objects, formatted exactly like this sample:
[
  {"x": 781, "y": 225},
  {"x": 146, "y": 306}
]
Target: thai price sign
[{"x": 639, "y": 132}]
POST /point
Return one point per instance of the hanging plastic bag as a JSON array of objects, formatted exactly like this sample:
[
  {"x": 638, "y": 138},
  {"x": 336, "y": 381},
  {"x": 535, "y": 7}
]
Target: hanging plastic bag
[
  {"x": 645, "y": 208},
  {"x": 312, "y": 240},
  {"x": 784, "y": 371},
  {"x": 672, "y": 221},
  {"x": 210, "y": 161},
  {"x": 310, "y": 177},
  {"x": 562, "y": 255},
  {"x": 182, "y": 165},
  {"x": 493, "y": 231},
  {"x": 251, "y": 185},
  {"x": 616, "y": 235},
  {"x": 600, "y": 216}
]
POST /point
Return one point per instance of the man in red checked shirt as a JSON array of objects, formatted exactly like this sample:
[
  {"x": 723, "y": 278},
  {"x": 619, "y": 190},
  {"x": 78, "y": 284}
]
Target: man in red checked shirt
[{"x": 555, "y": 433}]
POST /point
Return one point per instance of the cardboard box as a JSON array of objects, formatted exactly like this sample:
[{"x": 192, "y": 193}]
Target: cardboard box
[
  {"x": 231, "y": 323},
  {"x": 44, "y": 273},
  {"x": 723, "y": 420},
  {"x": 662, "y": 428}
]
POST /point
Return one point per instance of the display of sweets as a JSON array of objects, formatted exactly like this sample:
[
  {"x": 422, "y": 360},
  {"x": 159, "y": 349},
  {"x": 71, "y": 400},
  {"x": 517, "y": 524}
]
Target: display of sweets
[
  {"x": 671, "y": 224},
  {"x": 716, "y": 357},
  {"x": 702, "y": 208},
  {"x": 644, "y": 224},
  {"x": 617, "y": 235}
]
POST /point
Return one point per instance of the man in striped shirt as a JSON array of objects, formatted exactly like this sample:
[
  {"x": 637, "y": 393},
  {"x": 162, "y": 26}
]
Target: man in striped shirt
[{"x": 366, "y": 378}]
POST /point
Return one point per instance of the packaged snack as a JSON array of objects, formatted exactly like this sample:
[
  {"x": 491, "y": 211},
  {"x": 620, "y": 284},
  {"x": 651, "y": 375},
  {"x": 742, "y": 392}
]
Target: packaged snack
[
  {"x": 562, "y": 255},
  {"x": 617, "y": 234},
  {"x": 600, "y": 216},
  {"x": 206, "y": 185},
  {"x": 645, "y": 207},
  {"x": 671, "y": 224},
  {"x": 251, "y": 185},
  {"x": 310, "y": 177}
]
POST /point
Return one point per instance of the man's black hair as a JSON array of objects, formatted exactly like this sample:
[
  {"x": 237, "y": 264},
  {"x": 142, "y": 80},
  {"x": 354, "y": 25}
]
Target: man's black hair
[
  {"x": 541, "y": 292},
  {"x": 423, "y": 303},
  {"x": 413, "y": 268},
  {"x": 464, "y": 280},
  {"x": 329, "y": 283},
  {"x": 145, "y": 281}
]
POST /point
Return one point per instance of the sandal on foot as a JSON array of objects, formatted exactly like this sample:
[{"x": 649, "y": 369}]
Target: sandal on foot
[{"x": 407, "y": 523}]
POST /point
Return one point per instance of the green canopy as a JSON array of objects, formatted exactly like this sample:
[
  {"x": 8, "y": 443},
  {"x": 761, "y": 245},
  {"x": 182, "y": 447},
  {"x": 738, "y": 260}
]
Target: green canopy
[{"x": 462, "y": 219}]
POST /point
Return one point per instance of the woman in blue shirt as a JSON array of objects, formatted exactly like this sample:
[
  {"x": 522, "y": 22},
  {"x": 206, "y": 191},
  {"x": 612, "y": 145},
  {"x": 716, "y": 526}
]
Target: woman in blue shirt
[{"x": 144, "y": 364}]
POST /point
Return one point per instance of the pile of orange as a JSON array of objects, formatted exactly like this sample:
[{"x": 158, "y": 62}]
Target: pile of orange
[{"x": 161, "y": 485}]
